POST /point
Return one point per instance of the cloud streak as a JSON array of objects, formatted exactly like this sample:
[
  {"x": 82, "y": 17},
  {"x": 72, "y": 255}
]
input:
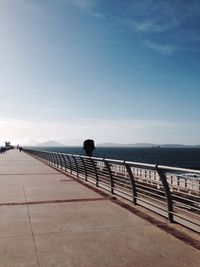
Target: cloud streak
[
  {"x": 175, "y": 21},
  {"x": 81, "y": 4},
  {"x": 161, "y": 48},
  {"x": 88, "y": 7},
  {"x": 151, "y": 25}
]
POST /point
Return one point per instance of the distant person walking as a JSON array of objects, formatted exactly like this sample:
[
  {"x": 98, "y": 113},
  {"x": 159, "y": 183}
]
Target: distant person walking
[{"x": 20, "y": 149}]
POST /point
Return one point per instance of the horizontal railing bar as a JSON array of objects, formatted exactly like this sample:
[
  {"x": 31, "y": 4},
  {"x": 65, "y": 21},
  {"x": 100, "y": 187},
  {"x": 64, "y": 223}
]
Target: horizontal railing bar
[
  {"x": 115, "y": 160},
  {"x": 178, "y": 169},
  {"x": 140, "y": 164},
  {"x": 188, "y": 212}
]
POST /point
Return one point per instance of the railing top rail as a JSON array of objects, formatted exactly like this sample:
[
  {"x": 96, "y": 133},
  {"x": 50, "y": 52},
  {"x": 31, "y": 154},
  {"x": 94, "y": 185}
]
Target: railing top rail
[
  {"x": 96, "y": 158},
  {"x": 139, "y": 164},
  {"x": 178, "y": 169},
  {"x": 114, "y": 160}
]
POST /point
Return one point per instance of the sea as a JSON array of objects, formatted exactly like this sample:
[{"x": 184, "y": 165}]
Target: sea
[{"x": 176, "y": 157}]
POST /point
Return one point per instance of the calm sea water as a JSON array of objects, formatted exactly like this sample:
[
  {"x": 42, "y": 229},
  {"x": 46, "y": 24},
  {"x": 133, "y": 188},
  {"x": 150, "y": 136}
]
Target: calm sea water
[{"x": 179, "y": 157}]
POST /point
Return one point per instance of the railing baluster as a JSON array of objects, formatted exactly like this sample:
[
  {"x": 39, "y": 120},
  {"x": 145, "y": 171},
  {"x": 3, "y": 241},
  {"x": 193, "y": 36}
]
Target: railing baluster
[
  {"x": 49, "y": 158},
  {"x": 132, "y": 179},
  {"x": 85, "y": 169},
  {"x": 95, "y": 170},
  {"x": 60, "y": 158},
  {"x": 167, "y": 193},
  {"x": 52, "y": 158},
  {"x": 57, "y": 160},
  {"x": 110, "y": 176},
  {"x": 64, "y": 161},
  {"x": 76, "y": 164},
  {"x": 70, "y": 164}
]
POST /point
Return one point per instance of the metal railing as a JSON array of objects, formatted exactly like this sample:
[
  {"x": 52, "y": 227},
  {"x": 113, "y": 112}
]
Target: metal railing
[
  {"x": 171, "y": 192},
  {"x": 4, "y": 149}
]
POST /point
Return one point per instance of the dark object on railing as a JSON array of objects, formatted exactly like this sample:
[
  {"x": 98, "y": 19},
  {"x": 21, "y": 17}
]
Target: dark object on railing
[
  {"x": 88, "y": 146},
  {"x": 165, "y": 190},
  {"x": 2, "y": 150},
  {"x": 8, "y": 146}
]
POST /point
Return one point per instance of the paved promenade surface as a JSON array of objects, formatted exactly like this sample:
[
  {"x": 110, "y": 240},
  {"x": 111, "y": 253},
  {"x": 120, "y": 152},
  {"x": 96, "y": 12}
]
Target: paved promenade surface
[{"x": 47, "y": 219}]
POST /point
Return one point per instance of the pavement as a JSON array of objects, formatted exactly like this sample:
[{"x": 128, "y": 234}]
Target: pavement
[{"x": 48, "y": 219}]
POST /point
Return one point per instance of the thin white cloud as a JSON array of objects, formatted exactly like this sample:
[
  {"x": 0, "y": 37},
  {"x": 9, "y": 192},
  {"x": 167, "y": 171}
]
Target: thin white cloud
[
  {"x": 153, "y": 16},
  {"x": 98, "y": 15},
  {"x": 84, "y": 5},
  {"x": 161, "y": 48},
  {"x": 88, "y": 7},
  {"x": 177, "y": 20},
  {"x": 149, "y": 25}
]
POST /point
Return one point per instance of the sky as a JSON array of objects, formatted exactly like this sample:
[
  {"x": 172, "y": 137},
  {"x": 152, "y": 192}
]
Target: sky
[{"x": 113, "y": 71}]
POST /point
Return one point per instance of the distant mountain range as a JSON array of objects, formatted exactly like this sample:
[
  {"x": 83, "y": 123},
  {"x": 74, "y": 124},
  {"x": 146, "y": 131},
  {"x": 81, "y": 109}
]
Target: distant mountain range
[
  {"x": 145, "y": 145},
  {"x": 50, "y": 143},
  {"x": 56, "y": 144}
]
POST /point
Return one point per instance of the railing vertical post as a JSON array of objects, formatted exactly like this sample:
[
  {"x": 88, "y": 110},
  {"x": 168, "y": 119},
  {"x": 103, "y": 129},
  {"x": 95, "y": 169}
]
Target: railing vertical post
[
  {"x": 64, "y": 161},
  {"x": 70, "y": 164},
  {"x": 96, "y": 173},
  {"x": 167, "y": 193},
  {"x": 44, "y": 155},
  {"x": 57, "y": 159},
  {"x": 49, "y": 158},
  {"x": 110, "y": 176},
  {"x": 85, "y": 169},
  {"x": 52, "y": 158},
  {"x": 60, "y": 158},
  {"x": 132, "y": 178},
  {"x": 76, "y": 164}
]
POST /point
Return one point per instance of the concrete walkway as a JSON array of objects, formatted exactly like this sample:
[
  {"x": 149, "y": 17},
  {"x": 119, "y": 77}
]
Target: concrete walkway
[{"x": 47, "y": 219}]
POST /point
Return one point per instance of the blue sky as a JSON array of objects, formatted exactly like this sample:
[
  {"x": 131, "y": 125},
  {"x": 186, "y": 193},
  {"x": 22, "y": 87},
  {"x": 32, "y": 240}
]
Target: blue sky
[{"x": 114, "y": 71}]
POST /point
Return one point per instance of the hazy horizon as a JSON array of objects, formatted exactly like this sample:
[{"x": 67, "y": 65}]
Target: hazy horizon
[
  {"x": 79, "y": 143},
  {"x": 112, "y": 71}
]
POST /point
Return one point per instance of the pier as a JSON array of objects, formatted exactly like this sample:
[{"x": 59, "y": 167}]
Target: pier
[{"x": 50, "y": 218}]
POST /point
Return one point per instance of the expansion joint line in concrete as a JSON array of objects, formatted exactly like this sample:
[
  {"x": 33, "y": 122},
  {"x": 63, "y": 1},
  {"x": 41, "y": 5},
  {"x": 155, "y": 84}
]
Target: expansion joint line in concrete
[
  {"x": 31, "y": 229},
  {"x": 50, "y": 201}
]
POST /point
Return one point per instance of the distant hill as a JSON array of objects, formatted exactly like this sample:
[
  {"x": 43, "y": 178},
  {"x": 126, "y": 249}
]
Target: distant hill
[
  {"x": 146, "y": 145},
  {"x": 109, "y": 144},
  {"x": 175, "y": 145},
  {"x": 126, "y": 145},
  {"x": 50, "y": 143}
]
